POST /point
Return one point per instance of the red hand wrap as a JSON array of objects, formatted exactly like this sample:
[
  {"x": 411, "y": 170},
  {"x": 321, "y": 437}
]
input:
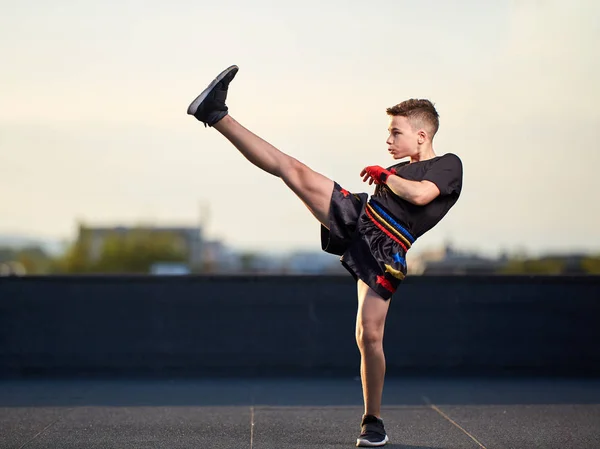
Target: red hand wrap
[{"x": 379, "y": 174}]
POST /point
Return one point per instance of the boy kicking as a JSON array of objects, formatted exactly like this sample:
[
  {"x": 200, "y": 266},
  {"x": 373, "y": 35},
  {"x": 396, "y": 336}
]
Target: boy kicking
[{"x": 371, "y": 234}]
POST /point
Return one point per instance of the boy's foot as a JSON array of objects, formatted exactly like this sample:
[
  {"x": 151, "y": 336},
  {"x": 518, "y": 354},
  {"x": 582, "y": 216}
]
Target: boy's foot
[
  {"x": 373, "y": 434},
  {"x": 209, "y": 107}
]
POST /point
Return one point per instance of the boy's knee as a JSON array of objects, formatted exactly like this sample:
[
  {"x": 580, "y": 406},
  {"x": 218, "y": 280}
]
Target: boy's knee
[
  {"x": 368, "y": 336},
  {"x": 293, "y": 168},
  {"x": 295, "y": 174}
]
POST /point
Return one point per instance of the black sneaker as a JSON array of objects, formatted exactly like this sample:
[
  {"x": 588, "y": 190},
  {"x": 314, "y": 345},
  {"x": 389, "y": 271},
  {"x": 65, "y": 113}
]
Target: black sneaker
[
  {"x": 373, "y": 434},
  {"x": 209, "y": 107}
]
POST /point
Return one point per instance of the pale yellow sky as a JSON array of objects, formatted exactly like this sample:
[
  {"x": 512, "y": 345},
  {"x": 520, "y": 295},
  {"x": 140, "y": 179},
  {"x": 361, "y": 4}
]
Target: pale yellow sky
[{"x": 94, "y": 94}]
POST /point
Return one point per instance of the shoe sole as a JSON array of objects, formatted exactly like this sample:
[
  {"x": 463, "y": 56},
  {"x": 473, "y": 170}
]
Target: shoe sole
[
  {"x": 365, "y": 443},
  {"x": 193, "y": 107}
]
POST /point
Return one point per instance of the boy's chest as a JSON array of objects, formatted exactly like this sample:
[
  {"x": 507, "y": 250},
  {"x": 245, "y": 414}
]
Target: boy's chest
[{"x": 413, "y": 172}]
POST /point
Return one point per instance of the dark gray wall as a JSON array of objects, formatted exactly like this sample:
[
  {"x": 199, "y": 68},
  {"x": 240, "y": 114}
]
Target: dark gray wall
[{"x": 294, "y": 326}]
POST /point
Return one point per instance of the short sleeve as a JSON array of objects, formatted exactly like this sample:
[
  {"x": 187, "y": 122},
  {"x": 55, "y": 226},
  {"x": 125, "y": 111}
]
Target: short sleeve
[{"x": 446, "y": 173}]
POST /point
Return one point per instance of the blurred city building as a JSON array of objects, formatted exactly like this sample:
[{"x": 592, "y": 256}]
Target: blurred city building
[
  {"x": 447, "y": 260},
  {"x": 182, "y": 250}
]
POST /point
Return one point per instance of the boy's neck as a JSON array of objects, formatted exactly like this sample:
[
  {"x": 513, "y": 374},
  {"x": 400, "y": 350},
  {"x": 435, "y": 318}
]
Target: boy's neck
[{"x": 424, "y": 154}]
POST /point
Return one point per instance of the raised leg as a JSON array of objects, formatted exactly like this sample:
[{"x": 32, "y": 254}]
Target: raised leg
[{"x": 311, "y": 187}]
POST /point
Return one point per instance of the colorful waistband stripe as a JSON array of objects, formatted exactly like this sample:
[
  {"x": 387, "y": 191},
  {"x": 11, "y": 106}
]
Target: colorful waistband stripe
[
  {"x": 399, "y": 227},
  {"x": 387, "y": 229}
]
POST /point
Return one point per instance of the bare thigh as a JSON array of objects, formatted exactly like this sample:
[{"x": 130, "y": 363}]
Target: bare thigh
[
  {"x": 313, "y": 188},
  {"x": 371, "y": 315}
]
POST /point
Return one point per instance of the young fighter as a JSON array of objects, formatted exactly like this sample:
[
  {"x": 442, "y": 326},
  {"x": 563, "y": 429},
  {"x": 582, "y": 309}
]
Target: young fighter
[{"x": 372, "y": 235}]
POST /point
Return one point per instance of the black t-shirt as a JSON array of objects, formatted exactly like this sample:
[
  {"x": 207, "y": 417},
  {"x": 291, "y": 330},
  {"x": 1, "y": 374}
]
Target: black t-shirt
[{"x": 444, "y": 171}]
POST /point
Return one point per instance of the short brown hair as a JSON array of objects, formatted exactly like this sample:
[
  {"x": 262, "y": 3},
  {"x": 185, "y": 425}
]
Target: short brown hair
[{"x": 420, "y": 114}]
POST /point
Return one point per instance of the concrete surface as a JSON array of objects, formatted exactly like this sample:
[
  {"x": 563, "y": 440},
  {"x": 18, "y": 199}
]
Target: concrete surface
[{"x": 419, "y": 413}]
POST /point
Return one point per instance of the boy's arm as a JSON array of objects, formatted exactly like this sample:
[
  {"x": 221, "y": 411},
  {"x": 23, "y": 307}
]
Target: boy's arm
[
  {"x": 415, "y": 192},
  {"x": 419, "y": 193}
]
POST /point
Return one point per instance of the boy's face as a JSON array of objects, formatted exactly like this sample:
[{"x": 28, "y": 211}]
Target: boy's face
[{"x": 403, "y": 140}]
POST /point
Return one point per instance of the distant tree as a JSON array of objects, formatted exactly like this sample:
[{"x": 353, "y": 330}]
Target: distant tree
[
  {"x": 76, "y": 257},
  {"x": 137, "y": 251},
  {"x": 591, "y": 265},
  {"x": 33, "y": 259},
  {"x": 130, "y": 252},
  {"x": 548, "y": 265}
]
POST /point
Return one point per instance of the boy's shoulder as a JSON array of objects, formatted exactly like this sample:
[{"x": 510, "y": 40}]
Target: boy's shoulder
[
  {"x": 450, "y": 160},
  {"x": 448, "y": 157}
]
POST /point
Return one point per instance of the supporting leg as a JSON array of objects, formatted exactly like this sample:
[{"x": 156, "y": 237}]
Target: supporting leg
[{"x": 370, "y": 323}]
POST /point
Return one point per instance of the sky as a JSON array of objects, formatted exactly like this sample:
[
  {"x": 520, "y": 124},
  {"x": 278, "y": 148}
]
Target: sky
[{"x": 93, "y": 124}]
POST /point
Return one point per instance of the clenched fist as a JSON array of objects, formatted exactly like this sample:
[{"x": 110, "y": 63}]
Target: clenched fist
[{"x": 376, "y": 174}]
